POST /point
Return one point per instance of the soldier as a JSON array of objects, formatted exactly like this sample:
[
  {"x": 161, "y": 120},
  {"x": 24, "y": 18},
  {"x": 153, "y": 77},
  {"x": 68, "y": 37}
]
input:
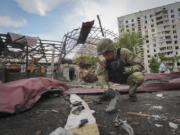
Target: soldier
[{"x": 120, "y": 66}]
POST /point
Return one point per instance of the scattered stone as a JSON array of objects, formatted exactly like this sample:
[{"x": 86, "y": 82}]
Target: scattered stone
[
  {"x": 53, "y": 110},
  {"x": 157, "y": 117},
  {"x": 135, "y": 124},
  {"x": 173, "y": 125},
  {"x": 160, "y": 95},
  {"x": 158, "y": 125},
  {"x": 157, "y": 107}
]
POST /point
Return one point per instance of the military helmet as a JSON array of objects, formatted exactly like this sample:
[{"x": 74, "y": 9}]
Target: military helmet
[{"x": 105, "y": 45}]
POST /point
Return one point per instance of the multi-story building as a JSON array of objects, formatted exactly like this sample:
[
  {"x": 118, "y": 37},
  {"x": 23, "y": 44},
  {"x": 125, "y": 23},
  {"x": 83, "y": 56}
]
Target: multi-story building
[{"x": 161, "y": 29}]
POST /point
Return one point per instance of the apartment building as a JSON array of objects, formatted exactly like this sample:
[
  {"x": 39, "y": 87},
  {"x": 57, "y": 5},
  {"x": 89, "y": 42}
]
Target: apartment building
[{"x": 161, "y": 29}]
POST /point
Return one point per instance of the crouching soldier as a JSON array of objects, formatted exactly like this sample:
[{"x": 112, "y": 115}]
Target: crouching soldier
[{"x": 120, "y": 66}]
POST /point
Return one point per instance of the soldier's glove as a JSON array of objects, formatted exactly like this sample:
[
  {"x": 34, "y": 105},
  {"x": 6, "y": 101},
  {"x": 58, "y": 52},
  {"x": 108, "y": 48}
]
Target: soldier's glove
[
  {"x": 127, "y": 70},
  {"x": 115, "y": 65}
]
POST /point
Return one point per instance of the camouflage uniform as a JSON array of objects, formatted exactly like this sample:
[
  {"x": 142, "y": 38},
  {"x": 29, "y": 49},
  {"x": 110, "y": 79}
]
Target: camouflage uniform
[{"x": 126, "y": 67}]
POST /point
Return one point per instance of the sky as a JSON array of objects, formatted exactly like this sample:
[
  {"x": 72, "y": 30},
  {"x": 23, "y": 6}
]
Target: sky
[{"x": 51, "y": 19}]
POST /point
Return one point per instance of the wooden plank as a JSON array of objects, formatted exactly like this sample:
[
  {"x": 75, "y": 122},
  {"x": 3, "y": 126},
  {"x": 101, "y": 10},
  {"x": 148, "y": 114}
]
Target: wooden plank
[
  {"x": 139, "y": 114},
  {"x": 89, "y": 129}
]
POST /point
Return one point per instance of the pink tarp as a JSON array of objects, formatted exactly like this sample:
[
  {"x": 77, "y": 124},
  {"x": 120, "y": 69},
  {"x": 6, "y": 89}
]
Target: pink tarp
[
  {"x": 146, "y": 87},
  {"x": 162, "y": 76},
  {"x": 22, "y": 94}
]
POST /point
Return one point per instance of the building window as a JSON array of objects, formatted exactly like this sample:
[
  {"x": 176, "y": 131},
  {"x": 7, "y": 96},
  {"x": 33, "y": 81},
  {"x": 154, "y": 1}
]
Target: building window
[
  {"x": 172, "y": 11},
  {"x": 174, "y": 26},
  {"x": 174, "y": 31},
  {"x": 166, "y": 26},
  {"x": 145, "y": 17},
  {"x": 147, "y": 51},
  {"x": 168, "y": 42},
  {"x": 172, "y": 16},
  {"x": 176, "y": 42},
  {"x": 149, "y": 56},
  {"x": 154, "y": 45},
  {"x": 147, "y": 41},
  {"x": 126, "y": 21},
  {"x": 152, "y": 20},
  {"x": 153, "y": 30},
  {"x": 165, "y": 16},
  {"x": 176, "y": 53},
  {"x": 175, "y": 36},
  {"x": 178, "y": 9},
  {"x": 145, "y": 22},
  {"x": 145, "y": 27},
  {"x": 127, "y": 26},
  {"x": 150, "y": 16},
  {"x": 166, "y": 32},
  {"x": 152, "y": 25},
  {"x": 172, "y": 21},
  {"x": 166, "y": 21},
  {"x": 132, "y": 20},
  {"x": 133, "y": 29},
  {"x": 154, "y": 50},
  {"x": 177, "y": 47},
  {"x": 132, "y": 25}
]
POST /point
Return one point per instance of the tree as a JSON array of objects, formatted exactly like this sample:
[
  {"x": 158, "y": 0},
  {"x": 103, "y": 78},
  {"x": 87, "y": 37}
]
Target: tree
[
  {"x": 132, "y": 41},
  {"x": 154, "y": 65}
]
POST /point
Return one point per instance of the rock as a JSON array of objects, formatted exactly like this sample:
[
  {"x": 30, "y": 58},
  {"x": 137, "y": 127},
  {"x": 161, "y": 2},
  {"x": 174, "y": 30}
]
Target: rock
[
  {"x": 173, "y": 125},
  {"x": 158, "y": 125}
]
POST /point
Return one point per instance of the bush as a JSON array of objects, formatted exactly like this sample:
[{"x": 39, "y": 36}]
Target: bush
[{"x": 86, "y": 61}]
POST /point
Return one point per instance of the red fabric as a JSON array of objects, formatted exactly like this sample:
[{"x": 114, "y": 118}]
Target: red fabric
[
  {"x": 22, "y": 94},
  {"x": 146, "y": 87},
  {"x": 162, "y": 76}
]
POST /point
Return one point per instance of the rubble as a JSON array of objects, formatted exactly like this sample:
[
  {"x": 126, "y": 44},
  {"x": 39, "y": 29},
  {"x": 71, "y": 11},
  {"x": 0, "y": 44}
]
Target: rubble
[{"x": 173, "y": 125}]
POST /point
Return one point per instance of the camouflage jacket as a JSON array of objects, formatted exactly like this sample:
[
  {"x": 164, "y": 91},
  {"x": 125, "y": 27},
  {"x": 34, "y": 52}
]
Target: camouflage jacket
[{"x": 133, "y": 62}]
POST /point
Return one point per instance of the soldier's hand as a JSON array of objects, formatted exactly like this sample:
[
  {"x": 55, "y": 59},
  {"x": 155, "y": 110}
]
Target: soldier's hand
[
  {"x": 127, "y": 70},
  {"x": 102, "y": 64}
]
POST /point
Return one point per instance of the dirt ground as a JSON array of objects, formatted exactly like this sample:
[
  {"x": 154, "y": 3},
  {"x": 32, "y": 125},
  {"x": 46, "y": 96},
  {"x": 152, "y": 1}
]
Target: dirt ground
[{"x": 42, "y": 119}]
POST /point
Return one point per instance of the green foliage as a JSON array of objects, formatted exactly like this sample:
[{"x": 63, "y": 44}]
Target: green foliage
[
  {"x": 154, "y": 65},
  {"x": 132, "y": 41},
  {"x": 86, "y": 61}
]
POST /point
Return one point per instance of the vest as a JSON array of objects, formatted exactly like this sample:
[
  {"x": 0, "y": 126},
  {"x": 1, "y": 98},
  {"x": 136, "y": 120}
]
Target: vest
[{"x": 116, "y": 75}]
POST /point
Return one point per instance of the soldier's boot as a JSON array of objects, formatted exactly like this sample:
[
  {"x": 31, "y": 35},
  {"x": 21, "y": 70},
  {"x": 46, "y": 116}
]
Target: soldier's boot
[
  {"x": 134, "y": 81},
  {"x": 132, "y": 92}
]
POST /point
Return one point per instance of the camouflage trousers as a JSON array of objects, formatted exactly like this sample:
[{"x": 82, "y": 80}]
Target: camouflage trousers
[{"x": 134, "y": 80}]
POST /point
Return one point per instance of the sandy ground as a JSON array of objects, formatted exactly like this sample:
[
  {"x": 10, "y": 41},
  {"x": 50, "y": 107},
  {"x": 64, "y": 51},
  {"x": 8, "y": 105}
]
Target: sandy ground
[{"x": 52, "y": 112}]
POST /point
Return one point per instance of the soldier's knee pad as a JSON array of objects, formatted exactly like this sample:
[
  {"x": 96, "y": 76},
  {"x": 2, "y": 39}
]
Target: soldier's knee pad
[{"x": 136, "y": 77}]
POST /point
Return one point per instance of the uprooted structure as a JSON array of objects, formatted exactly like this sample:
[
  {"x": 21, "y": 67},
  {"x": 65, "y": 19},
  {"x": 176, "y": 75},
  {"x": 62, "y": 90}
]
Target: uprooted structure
[{"x": 33, "y": 56}]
